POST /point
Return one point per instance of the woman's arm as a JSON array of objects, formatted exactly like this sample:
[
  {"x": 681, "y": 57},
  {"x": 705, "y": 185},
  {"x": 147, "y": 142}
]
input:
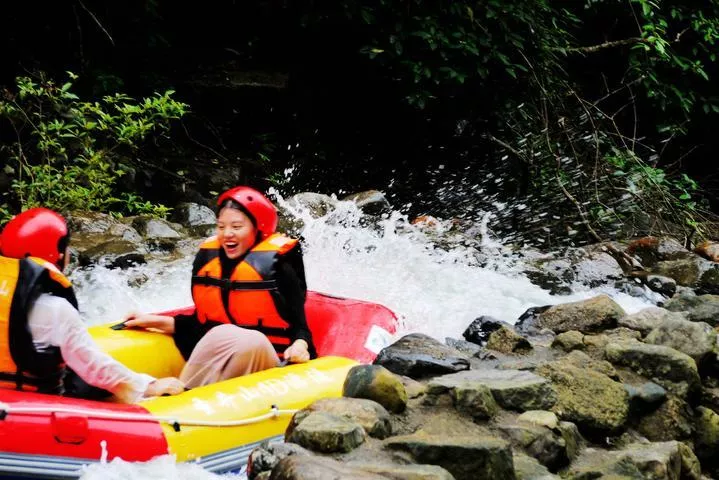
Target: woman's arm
[
  {"x": 52, "y": 320},
  {"x": 186, "y": 330},
  {"x": 292, "y": 291}
]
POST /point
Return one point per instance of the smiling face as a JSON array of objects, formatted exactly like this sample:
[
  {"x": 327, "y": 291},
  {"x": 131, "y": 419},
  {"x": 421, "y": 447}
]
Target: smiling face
[{"x": 235, "y": 232}]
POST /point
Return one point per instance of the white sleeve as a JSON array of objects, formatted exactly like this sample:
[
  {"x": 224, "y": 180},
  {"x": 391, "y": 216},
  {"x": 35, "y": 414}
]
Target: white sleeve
[{"x": 54, "y": 321}]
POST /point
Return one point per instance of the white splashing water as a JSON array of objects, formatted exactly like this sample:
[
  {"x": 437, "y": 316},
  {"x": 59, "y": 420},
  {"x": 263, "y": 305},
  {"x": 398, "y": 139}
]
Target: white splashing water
[
  {"x": 436, "y": 291},
  {"x": 160, "y": 468}
]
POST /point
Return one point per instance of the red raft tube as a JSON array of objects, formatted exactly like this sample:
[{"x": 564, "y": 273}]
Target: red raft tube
[{"x": 216, "y": 426}]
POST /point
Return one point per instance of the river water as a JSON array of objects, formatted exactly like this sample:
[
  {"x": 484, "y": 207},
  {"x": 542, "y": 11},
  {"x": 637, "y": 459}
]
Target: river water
[{"x": 435, "y": 290}]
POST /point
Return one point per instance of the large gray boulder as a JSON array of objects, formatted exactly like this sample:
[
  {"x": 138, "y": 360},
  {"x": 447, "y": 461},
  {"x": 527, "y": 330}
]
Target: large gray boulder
[
  {"x": 369, "y": 414},
  {"x": 587, "y": 316},
  {"x": 696, "y": 339},
  {"x": 647, "y": 319},
  {"x": 657, "y": 461},
  {"x": 670, "y": 368},
  {"x": 318, "y": 468},
  {"x": 466, "y": 458},
  {"x": 592, "y": 400},
  {"x": 512, "y": 389},
  {"x": 419, "y": 356},
  {"x": 327, "y": 433},
  {"x": 697, "y": 308},
  {"x": 375, "y": 382}
]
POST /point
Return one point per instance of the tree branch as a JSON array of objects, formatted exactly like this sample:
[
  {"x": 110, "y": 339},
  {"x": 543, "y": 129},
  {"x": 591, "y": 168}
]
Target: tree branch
[
  {"x": 605, "y": 45},
  {"x": 507, "y": 146},
  {"x": 96, "y": 21}
]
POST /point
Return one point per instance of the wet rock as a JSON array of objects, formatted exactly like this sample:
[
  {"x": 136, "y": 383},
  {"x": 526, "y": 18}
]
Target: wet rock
[
  {"x": 406, "y": 472},
  {"x": 528, "y": 322},
  {"x": 318, "y": 468},
  {"x": 128, "y": 260},
  {"x": 466, "y": 458},
  {"x": 594, "y": 342},
  {"x": 541, "y": 443},
  {"x": 369, "y": 414},
  {"x": 319, "y": 205},
  {"x": 592, "y": 400},
  {"x": 372, "y": 202},
  {"x": 685, "y": 272},
  {"x": 596, "y": 268},
  {"x": 708, "y": 250},
  {"x": 419, "y": 356},
  {"x": 572, "y": 438},
  {"x": 661, "y": 284},
  {"x": 265, "y": 457},
  {"x": 671, "y": 421},
  {"x": 553, "y": 274},
  {"x": 706, "y": 440},
  {"x": 584, "y": 361},
  {"x": 327, "y": 433},
  {"x": 481, "y": 328},
  {"x": 87, "y": 226},
  {"x": 670, "y": 368},
  {"x": 413, "y": 388},
  {"x": 568, "y": 341},
  {"x": 593, "y": 315},
  {"x": 696, "y": 339},
  {"x": 474, "y": 399},
  {"x": 709, "y": 281},
  {"x": 375, "y": 382},
  {"x": 542, "y": 418},
  {"x": 710, "y": 398},
  {"x": 512, "y": 389},
  {"x": 698, "y": 308},
  {"x": 106, "y": 253},
  {"x": 660, "y": 461},
  {"x": 193, "y": 215},
  {"x": 528, "y": 468},
  {"x": 154, "y": 228},
  {"x": 645, "y": 397},
  {"x": 631, "y": 286},
  {"x": 468, "y": 348},
  {"x": 506, "y": 340},
  {"x": 646, "y": 320},
  {"x": 136, "y": 280},
  {"x": 651, "y": 250}
]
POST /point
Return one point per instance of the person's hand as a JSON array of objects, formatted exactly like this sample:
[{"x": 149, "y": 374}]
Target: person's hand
[
  {"x": 165, "y": 386},
  {"x": 148, "y": 321},
  {"x": 297, "y": 352}
]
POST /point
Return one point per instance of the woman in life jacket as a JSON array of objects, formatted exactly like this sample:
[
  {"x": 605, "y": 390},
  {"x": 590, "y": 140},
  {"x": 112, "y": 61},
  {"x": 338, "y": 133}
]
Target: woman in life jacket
[
  {"x": 249, "y": 290},
  {"x": 42, "y": 336}
]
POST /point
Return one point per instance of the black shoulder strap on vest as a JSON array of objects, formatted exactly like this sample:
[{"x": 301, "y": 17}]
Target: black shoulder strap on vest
[{"x": 45, "y": 366}]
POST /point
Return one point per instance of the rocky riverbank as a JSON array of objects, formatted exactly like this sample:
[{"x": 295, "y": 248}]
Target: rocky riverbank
[
  {"x": 577, "y": 390},
  {"x": 590, "y": 393}
]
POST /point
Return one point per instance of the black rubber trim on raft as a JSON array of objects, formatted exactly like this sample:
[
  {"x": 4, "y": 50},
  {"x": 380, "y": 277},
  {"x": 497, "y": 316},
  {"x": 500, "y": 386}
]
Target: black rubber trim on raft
[{"x": 50, "y": 467}]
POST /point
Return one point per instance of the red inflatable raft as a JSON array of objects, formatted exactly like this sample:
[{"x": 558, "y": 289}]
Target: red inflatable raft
[{"x": 45, "y": 436}]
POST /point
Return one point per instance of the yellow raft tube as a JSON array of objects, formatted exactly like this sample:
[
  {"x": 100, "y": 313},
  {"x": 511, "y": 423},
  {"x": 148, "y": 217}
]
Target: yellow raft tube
[
  {"x": 217, "y": 426},
  {"x": 223, "y": 418}
]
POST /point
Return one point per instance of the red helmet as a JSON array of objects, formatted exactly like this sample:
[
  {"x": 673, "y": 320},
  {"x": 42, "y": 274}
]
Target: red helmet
[
  {"x": 37, "y": 232},
  {"x": 263, "y": 211}
]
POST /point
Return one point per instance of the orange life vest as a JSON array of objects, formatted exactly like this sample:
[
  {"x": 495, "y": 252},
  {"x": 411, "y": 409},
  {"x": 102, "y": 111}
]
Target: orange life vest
[
  {"x": 22, "y": 365},
  {"x": 250, "y": 302}
]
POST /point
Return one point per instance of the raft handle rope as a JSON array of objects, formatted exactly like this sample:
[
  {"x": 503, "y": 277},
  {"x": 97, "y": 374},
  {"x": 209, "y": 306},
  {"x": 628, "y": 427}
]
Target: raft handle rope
[{"x": 176, "y": 423}]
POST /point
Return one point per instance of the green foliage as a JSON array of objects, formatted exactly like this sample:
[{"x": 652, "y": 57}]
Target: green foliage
[
  {"x": 434, "y": 49},
  {"x": 679, "y": 42},
  {"x": 69, "y": 153}
]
